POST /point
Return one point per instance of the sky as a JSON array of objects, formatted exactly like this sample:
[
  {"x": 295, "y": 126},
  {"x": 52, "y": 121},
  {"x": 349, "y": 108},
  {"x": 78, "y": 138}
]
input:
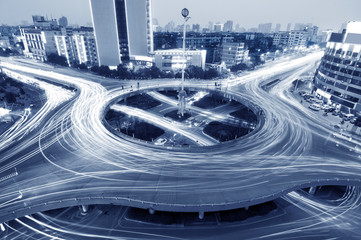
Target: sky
[{"x": 327, "y": 14}]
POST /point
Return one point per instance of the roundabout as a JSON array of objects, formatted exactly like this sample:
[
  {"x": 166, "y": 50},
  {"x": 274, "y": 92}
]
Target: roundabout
[
  {"x": 79, "y": 161},
  {"x": 211, "y": 117}
]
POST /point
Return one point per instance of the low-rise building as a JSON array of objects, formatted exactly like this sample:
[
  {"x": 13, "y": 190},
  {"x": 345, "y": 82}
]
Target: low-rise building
[
  {"x": 292, "y": 39},
  {"x": 234, "y": 53},
  {"x": 297, "y": 39},
  {"x": 280, "y": 39},
  {"x": 173, "y": 60}
]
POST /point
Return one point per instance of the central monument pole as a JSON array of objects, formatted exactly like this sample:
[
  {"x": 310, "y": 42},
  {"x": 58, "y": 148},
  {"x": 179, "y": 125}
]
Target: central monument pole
[{"x": 182, "y": 95}]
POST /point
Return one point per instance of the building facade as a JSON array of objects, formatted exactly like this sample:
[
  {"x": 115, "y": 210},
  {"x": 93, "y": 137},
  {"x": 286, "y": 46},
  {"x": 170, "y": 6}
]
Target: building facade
[
  {"x": 291, "y": 39},
  {"x": 297, "y": 39},
  {"x": 173, "y": 60},
  {"x": 338, "y": 78},
  {"x": 280, "y": 39},
  {"x": 123, "y": 29},
  {"x": 234, "y": 53},
  {"x": 228, "y": 26},
  {"x": 78, "y": 46},
  {"x": 265, "y": 28},
  {"x": 38, "y": 43}
]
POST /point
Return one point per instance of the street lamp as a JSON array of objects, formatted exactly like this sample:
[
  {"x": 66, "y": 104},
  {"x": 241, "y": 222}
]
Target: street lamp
[{"x": 182, "y": 94}]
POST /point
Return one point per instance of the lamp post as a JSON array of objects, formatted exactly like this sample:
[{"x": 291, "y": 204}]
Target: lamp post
[{"x": 182, "y": 94}]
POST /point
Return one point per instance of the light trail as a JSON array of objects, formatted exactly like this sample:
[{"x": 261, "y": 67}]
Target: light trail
[{"x": 83, "y": 157}]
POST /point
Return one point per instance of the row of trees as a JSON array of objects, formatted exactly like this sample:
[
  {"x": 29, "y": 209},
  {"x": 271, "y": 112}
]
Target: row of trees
[
  {"x": 5, "y": 52},
  {"x": 122, "y": 72}
]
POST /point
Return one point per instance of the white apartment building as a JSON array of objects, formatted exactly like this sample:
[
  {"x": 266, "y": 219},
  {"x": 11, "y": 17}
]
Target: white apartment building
[
  {"x": 234, "y": 53},
  {"x": 77, "y": 46},
  {"x": 173, "y": 60},
  {"x": 38, "y": 43}
]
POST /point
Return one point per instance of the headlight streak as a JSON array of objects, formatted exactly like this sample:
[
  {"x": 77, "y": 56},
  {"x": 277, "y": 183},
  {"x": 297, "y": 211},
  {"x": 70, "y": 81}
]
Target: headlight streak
[{"x": 283, "y": 147}]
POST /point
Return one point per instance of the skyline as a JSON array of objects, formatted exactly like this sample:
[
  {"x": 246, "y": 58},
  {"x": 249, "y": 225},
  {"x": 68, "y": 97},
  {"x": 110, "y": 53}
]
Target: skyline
[{"x": 277, "y": 11}]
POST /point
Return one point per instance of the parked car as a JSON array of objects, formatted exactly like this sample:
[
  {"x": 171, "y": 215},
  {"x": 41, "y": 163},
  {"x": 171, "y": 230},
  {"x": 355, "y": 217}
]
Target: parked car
[
  {"x": 353, "y": 120},
  {"x": 315, "y": 107},
  {"x": 328, "y": 109},
  {"x": 335, "y": 113},
  {"x": 348, "y": 117}
]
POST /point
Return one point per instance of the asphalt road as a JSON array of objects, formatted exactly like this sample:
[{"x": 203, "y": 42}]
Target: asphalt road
[{"x": 66, "y": 157}]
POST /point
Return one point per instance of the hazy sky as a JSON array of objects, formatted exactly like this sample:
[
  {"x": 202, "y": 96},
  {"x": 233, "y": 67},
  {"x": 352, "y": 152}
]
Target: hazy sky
[{"x": 248, "y": 13}]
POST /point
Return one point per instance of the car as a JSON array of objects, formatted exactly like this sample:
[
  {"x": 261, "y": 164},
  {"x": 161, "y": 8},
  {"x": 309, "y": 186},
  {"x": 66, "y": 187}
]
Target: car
[
  {"x": 335, "y": 113},
  {"x": 353, "y": 120},
  {"x": 315, "y": 107},
  {"x": 328, "y": 109},
  {"x": 160, "y": 141},
  {"x": 348, "y": 117}
]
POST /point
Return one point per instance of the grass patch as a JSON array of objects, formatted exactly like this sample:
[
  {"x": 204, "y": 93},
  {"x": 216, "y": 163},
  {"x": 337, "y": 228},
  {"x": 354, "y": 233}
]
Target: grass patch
[
  {"x": 223, "y": 132},
  {"x": 179, "y": 118},
  {"x": 141, "y": 101},
  {"x": 245, "y": 114}
]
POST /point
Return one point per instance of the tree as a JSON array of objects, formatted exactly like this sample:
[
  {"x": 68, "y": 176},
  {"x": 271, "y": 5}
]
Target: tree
[
  {"x": 104, "y": 71},
  {"x": 95, "y": 69},
  {"x": 167, "y": 74},
  {"x": 56, "y": 59},
  {"x": 82, "y": 66},
  {"x": 142, "y": 73},
  {"x": 179, "y": 74},
  {"x": 239, "y": 67},
  {"x": 10, "y": 97},
  {"x": 123, "y": 72},
  {"x": 155, "y": 72},
  {"x": 211, "y": 73},
  {"x": 195, "y": 72}
]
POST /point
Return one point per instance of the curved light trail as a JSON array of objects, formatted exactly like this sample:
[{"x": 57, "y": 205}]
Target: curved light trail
[{"x": 78, "y": 160}]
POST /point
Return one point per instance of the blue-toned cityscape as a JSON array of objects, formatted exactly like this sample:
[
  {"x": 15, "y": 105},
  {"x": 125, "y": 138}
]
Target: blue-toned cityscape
[{"x": 128, "y": 127}]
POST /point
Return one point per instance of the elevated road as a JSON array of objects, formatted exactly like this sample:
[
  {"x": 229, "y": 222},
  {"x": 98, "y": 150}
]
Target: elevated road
[{"x": 72, "y": 159}]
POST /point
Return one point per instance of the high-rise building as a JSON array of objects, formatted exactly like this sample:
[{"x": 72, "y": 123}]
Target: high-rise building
[
  {"x": 196, "y": 28},
  {"x": 123, "y": 29},
  {"x": 228, "y": 26},
  {"x": 265, "y": 28},
  {"x": 41, "y": 22},
  {"x": 278, "y": 28},
  {"x": 63, "y": 21},
  {"x": 218, "y": 27},
  {"x": 170, "y": 27},
  {"x": 210, "y": 25},
  {"x": 338, "y": 79},
  {"x": 289, "y": 25},
  {"x": 302, "y": 26}
]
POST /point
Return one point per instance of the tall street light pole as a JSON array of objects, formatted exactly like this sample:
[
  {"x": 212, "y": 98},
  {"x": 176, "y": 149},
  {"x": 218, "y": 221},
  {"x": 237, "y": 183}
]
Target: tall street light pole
[{"x": 182, "y": 94}]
